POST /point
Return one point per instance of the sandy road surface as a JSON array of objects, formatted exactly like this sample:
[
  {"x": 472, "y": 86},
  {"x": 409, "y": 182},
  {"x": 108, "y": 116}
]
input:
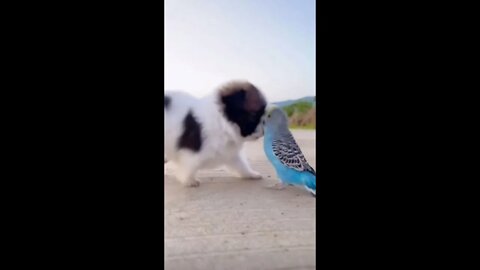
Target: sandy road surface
[{"x": 229, "y": 223}]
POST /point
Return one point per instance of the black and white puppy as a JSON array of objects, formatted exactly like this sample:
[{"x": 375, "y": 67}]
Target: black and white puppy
[{"x": 210, "y": 131}]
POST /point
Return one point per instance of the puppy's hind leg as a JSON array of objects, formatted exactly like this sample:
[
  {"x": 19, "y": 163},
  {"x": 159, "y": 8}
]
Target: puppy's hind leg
[
  {"x": 187, "y": 178},
  {"x": 239, "y": 165}
]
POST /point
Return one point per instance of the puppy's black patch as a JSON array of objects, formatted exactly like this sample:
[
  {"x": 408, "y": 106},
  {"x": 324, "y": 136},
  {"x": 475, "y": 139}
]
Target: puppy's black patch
[
  {"x": 167, "y": 102},
  {"x": 244, "y": 105},
  {"x": 192, "y": 134}
]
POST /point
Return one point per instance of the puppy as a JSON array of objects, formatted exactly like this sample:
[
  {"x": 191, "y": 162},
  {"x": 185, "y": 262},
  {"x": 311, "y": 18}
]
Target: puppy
[{"x": 210, "y": 131}]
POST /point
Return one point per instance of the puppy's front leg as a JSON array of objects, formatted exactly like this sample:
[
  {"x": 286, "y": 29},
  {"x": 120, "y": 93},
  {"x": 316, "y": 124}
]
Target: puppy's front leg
[
  {"x": 240, "y": 166},
  {"x": 187, "y": 170}
]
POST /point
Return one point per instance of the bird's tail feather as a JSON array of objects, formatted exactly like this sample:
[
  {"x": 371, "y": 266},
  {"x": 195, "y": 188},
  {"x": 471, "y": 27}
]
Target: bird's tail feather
[{"x": 311, "y": 184}]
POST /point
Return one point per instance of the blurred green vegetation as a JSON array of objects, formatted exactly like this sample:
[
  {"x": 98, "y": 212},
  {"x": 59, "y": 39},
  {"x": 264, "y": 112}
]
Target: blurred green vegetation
[
  {"x": 300, "y": 107},
  {"x": 301, "y": 115}
]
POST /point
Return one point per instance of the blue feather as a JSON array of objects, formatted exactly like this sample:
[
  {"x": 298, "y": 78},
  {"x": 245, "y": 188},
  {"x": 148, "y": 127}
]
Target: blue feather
[{"x": 287, "y": 175}]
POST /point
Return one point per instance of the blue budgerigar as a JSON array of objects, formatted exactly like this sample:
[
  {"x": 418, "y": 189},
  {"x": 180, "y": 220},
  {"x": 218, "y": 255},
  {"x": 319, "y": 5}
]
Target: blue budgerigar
[{"x": 283, "y": 152}]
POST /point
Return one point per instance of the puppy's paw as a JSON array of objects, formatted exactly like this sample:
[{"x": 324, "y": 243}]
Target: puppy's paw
[
  {"x": 253, "y": 175},
  {"x": 191, "y": 183}
]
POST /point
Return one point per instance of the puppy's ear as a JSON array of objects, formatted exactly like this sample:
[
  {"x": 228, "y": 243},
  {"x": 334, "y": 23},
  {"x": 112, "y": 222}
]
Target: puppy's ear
[
  {"x": 255, "y": 101},
  {"x": 235, "y": 99}
]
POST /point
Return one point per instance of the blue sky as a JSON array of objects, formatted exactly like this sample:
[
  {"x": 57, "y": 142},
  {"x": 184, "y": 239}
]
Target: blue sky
[{"x": 268, "y": 42}]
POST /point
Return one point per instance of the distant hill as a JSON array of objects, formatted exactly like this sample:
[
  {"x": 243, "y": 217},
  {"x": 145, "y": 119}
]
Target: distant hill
[
  {"x": 310, "y": 99},
  {"x": 301, "y": 112}
]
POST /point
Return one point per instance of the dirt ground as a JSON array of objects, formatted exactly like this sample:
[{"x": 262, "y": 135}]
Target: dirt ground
[{"x": 229, "y": 223}]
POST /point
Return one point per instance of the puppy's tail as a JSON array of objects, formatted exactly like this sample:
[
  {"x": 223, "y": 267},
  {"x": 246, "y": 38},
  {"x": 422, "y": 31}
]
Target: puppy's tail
[{"x": 167, "y": 101}]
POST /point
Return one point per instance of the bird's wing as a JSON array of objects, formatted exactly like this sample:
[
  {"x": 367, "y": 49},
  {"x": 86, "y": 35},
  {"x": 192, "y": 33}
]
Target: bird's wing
[{"x": 288, "y": 152}]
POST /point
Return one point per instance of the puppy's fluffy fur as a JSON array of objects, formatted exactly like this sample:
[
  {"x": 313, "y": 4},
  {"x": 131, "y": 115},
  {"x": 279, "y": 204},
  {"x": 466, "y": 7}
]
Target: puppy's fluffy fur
[{"x": 210, "y": 132}]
